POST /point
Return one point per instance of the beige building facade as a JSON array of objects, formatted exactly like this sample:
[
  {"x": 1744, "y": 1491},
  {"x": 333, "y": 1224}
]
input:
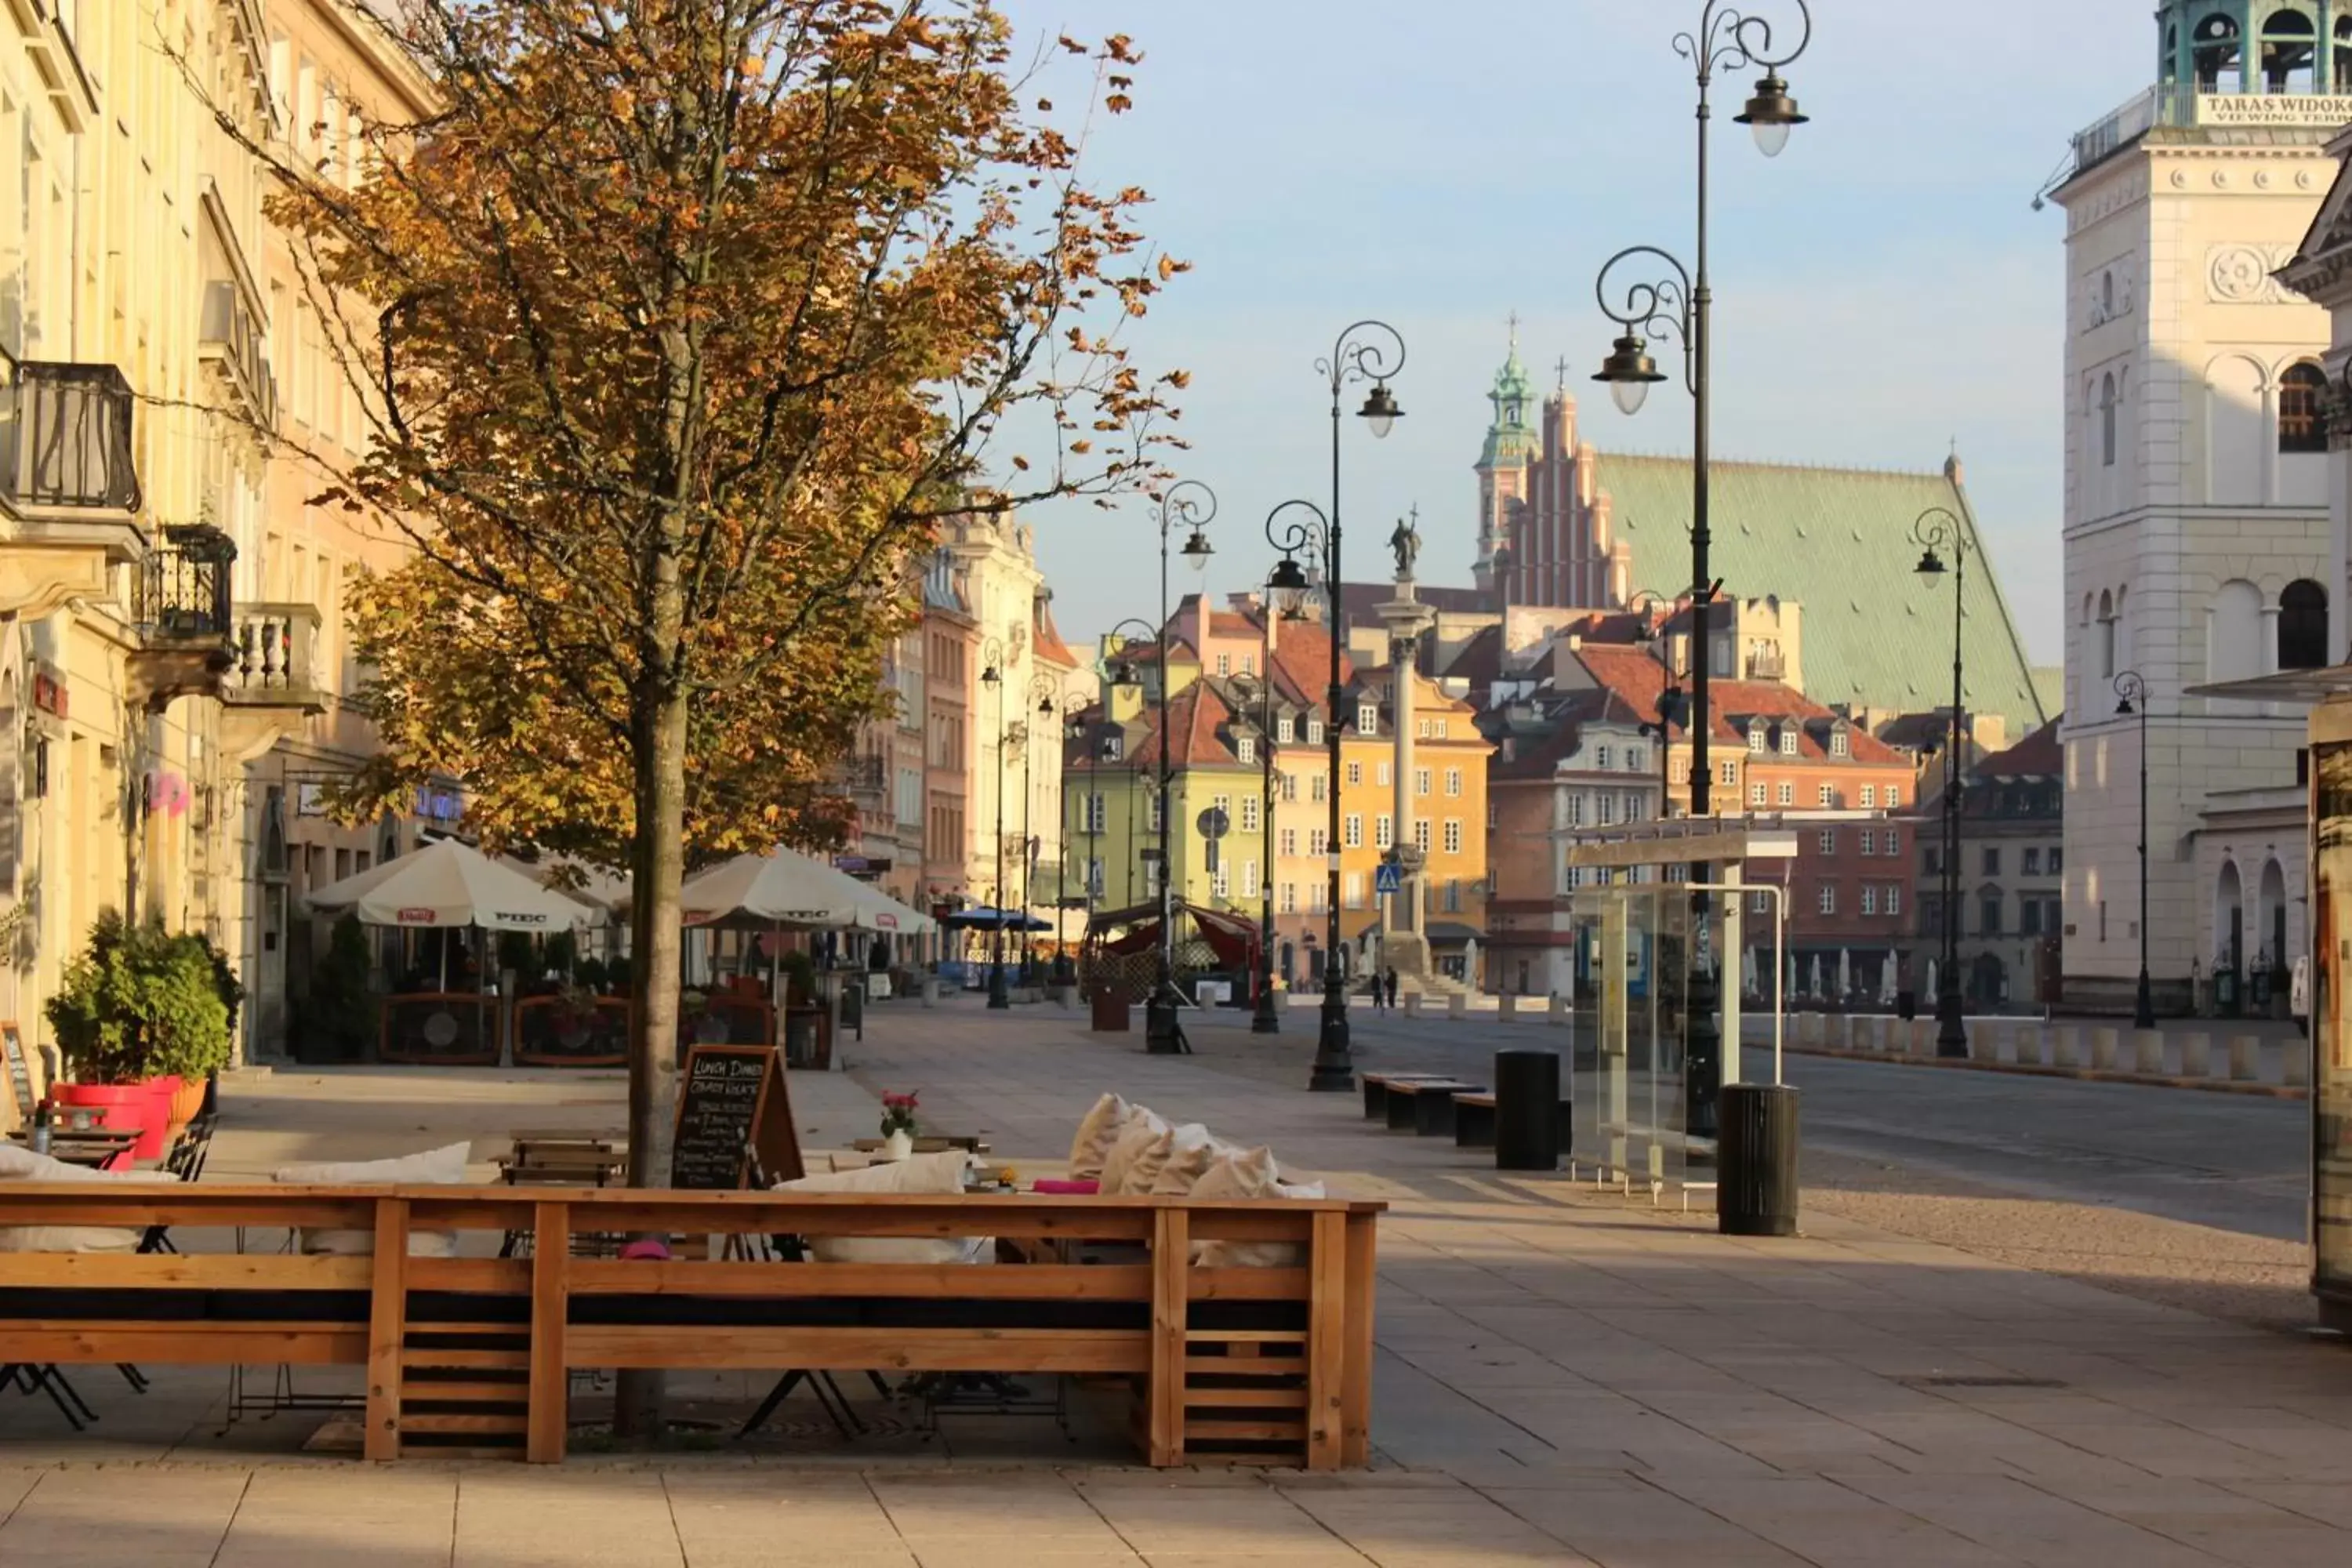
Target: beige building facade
[{"x": 172, "y": 665}]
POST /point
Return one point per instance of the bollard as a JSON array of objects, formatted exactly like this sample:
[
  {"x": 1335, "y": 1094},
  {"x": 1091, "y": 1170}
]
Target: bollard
[
  {"x": 2296, "y": 1054},
  {"x": 1984, "y": 1045},
  {"x": 1457, "y": 1006},
  {"x": 1811, "y": 1028},
  {"x": 2104, "y": 1044},
  {"x": 1413, "y": 1002},
  {"x": 2066, "y": 1046},
  {"x": 929, "y": 990},
  {"x": 1506, "y": 1007},
  {"x": 2245, "y": 1060},
  {"x": 1865, "y": 1033},
  {"x": 2197, "y": 1055},
  {"x": 2029, "y": 1045},
  {"x": 2147, "y": 1051},
  {"x": 1559, "y": 1011}
]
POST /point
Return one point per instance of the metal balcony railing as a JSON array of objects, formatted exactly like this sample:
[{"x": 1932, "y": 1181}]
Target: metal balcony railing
[
  {"x": 183, "y": 586},
  {"x": 866, "y": 775},
  {"x": 275, "y": 649},
  {"x": 230, "y": 330},
  {"x": 1767, "y": 664},
  {"x": 66, "y": 437}
]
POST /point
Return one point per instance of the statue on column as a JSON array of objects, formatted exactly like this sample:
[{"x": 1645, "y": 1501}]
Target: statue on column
[{"x": 1406, "y": 542}]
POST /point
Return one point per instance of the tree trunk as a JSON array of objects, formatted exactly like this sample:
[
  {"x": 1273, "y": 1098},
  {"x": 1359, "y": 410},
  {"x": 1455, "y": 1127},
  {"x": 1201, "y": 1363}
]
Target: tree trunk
[{"x": 657, "y": 867}]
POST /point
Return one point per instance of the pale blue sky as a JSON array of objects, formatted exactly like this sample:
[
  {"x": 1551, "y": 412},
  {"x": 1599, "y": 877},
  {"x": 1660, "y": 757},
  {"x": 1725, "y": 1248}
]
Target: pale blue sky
[{"x": 1881, "y": 287}]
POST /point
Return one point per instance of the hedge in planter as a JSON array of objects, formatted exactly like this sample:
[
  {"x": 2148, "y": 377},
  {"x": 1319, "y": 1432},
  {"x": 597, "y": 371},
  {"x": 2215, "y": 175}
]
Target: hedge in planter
[{"x": 142, "y": 1005}]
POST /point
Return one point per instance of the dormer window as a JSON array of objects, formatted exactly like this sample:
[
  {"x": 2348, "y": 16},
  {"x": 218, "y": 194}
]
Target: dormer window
[
  {"x": 1840, "y": 745},
  {"x": 1756, "y": 737},
  {"x": 1245, "y": 749},
  {"x": 1114, "y": 747},
  {"x": 1367, "y": 719},
  {"x": 1788, "y": 740},
  {"x": 1283, "y": 731},
  {"x": 1315, "y": 732}
]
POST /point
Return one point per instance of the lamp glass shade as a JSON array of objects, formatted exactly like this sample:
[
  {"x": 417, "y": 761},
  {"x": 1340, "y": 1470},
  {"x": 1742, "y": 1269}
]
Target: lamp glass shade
[
  {"x": 1931, "y": 565},
  {"x": 1771, "y": 115},
  {"x": 1380, "y": 411},
  {"x": 990, "y": 677},
  {"x": 1629, "y": 395},
  {"x": 1771, "y": 136},
  {"x": 1197, "y": 551}
]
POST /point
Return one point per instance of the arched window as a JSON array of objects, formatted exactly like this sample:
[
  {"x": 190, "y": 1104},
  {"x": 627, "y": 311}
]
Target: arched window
[
  {"x": 2303, "y": 427},
  {"x": 2170, "y": 73},
  {"x": 2302, "y": 626},
  {"x": 2289, "y": 52},
  {"x": 2108, "y": 403},
  {"x": 2107, "y": 295},
  {"x": 2234, "y": 632},
  {"x": 2213, "y": 48},
  {"x": 2106, "y": 636}
]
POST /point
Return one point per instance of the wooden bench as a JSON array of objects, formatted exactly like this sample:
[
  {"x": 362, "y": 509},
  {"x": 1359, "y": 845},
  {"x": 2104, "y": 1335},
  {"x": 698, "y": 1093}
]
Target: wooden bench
[
  {"x": 1426, "y": 1105},
  {"x": 1473, "y": 1122},
  {"x": 1268, "y": 1365},
  {"x": 1376, "y": 1088}
]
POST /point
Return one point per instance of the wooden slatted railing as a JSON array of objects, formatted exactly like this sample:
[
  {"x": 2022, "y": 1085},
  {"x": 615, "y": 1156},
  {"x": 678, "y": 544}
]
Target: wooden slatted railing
[{"x": 1250, "y": 1365}]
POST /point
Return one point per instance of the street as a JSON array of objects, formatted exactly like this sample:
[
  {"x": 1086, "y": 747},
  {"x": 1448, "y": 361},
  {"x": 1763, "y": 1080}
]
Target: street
[{"x": 2233, "y": 1161}]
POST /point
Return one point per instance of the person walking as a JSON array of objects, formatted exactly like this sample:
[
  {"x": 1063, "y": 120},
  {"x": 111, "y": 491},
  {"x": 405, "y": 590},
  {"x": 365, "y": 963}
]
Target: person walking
[
  {"x": 1390, "y": 982},
  {"x": 1379, "y": 993}
]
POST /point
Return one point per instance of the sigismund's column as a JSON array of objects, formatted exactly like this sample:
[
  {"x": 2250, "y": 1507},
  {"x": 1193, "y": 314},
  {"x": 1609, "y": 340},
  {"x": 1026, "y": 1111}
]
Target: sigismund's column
[{"x": 1406, "y": 948}]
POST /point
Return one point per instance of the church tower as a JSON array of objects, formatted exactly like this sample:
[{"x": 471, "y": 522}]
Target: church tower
[
  {"x": 1511, "y": 443},
  {"x": 2196, "y": 534}
]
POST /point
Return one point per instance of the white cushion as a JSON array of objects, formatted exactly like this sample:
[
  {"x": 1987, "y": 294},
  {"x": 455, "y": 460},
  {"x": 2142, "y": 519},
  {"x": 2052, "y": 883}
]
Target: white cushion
[
  {"x": 928, "y": 1174},
  {"x": 21, "y": 1164},
  {"x": 444, "y": 1167},
  {"x": 1250, "y": 1173},
  {"x": 1096, "y": 1130},
  {"x": 1135, "y": 1134},
  {"x": 1192, "y": 1150}
]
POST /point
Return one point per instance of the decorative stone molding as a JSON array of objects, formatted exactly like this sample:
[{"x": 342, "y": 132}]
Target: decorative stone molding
[{"x": 2240, "y": 274}]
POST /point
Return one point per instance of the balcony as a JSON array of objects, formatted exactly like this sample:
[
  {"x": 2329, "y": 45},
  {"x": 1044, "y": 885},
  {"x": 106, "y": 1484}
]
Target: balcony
[
  {"x": 866, "y": 776},
  {"x": 230, "y": 337},
  {"x": 1767, "y": 662},
  {"x": 69, "y": 485},
  {"x": 183, "y": 617},
  {"x": 276, "y": 662}
]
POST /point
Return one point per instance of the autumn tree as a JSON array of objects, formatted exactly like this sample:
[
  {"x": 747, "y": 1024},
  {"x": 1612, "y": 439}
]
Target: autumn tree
[{"x": 684, "y": 320}]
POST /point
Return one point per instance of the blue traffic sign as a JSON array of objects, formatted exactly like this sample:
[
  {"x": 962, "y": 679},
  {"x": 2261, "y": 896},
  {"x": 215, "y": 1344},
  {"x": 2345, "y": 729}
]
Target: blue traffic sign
[{"x": 1388, "y": 880}]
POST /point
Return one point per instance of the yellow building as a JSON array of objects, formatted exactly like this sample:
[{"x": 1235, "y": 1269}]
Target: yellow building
[{"x": 168, "y": 601}]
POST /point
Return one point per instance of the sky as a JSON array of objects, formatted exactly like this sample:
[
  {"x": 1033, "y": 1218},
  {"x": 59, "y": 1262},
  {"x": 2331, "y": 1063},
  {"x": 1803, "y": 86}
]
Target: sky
[{"x": 1882, "y": 288}]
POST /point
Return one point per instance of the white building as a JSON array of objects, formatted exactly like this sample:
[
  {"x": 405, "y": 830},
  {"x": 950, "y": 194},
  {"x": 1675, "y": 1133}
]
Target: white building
[{"x": 2197, "y": 532}]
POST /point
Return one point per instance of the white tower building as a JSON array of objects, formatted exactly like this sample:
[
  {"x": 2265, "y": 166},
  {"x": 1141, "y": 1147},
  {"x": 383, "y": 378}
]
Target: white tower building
[{"x": 2197, "y": 517}]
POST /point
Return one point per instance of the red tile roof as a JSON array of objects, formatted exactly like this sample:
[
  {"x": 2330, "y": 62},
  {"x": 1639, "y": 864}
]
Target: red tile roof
[
  {"x": 1637, "y": 679},
  {"x": 1195, "y": 716},
  {"x": 2038, "y": 755},
  {"x": 1049, "y": 644}
]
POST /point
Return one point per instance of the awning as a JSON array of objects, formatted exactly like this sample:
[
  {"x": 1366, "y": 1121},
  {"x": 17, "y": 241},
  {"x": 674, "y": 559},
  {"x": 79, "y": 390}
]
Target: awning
[
  {"x": 2303, "y": 686},
  {"x": 448, "y": 883}
]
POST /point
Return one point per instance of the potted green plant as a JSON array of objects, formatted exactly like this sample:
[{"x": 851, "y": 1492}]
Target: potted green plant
[
  {"x": 337, "y": 1020},
  {"x": 140, "y": 1011}
]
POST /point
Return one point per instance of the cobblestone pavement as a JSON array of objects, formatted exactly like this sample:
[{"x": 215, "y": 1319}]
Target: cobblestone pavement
[{"x": 1926, "y": 1377}]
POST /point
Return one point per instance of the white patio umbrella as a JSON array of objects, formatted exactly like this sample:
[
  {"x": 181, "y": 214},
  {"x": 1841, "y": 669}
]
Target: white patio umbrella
[
  {"x": 449, "y": 884},
  {"x": 1931, "y": 979},
  {"x": 789, "y": 890},
  {"x": 1887, "y": 981},
  {"x": 1747, "y": 972},
  {"x": 1845, "y": 972}
]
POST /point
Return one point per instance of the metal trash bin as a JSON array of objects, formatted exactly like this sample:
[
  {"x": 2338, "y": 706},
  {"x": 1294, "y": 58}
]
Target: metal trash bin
[
  {"x": 1527, "y": 1111},
  {"x": 1755, "y": 1161}
]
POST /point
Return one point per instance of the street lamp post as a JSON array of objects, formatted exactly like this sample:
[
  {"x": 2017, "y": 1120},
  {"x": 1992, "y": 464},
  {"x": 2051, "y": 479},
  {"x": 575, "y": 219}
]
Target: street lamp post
[
  {"x": 1673, "y": 707},
  {"x": 992, "y": 675},
  {"x": 2131, "y": 693},
  {"x": 1937, "y": 529},
  {"x": 1368, "y": 351},
  {"x": 1679, "y": 305},
  {"x": 1078, "y": 730},
  {"x": 1044, "y": 693},
  {"x": 1264, "y": 1018},
  {"x": 1191, "y": 505}
]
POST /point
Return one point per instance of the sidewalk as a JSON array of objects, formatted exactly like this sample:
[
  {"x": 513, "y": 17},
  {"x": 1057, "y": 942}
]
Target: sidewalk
[{"x": 1562, "y": 1377}]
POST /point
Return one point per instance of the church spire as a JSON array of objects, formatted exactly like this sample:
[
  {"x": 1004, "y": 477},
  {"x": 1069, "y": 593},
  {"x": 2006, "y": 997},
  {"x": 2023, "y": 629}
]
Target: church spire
[{"x": 1509, "y": 437}]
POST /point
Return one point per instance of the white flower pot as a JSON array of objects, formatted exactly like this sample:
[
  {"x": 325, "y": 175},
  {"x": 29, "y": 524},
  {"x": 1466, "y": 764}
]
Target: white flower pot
[{"x": 898, "y": 1145}]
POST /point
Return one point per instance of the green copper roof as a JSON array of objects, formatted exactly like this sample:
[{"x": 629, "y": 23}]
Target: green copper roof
[
  {"x": 1509, "y": 437},
  {"x": 1838, "y": 541}
]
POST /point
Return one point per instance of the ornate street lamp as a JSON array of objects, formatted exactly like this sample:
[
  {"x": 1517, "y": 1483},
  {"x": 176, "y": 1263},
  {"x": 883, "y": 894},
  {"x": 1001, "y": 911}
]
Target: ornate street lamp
[
  {"x": 2131, "y": 697},
  {"x": 1936, "y": 530},
  {"x": 1679, "y": 305},
  {"x": 1045, "y": 697},
  {"x": 1368, "y": 351},
  {"x": 992, "y": 675},
  {"x": 1264, "y": 1019}
]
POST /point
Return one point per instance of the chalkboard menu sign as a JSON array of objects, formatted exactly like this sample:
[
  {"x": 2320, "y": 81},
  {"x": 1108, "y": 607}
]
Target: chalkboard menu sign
[
  {"x": 732, "y": 1103},
  {"x": 19, "y": 1077}
]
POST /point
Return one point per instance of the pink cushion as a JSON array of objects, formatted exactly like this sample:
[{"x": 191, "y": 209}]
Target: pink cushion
[{"x": 1050, "y": 1185}]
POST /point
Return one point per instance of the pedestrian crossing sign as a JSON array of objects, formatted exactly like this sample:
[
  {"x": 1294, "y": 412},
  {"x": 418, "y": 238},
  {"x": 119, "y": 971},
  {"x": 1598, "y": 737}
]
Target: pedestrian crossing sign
[{"x": 1388, "y": 880}]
